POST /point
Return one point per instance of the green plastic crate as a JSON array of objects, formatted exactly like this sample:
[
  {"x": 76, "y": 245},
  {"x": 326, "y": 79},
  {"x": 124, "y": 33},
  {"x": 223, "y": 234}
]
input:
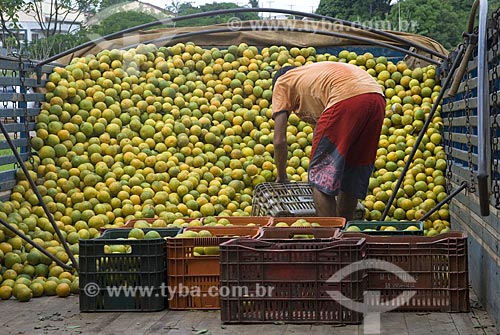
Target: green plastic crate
[
  {"x": 142, "y": 266},
  {"x": 400, "y": 225}
]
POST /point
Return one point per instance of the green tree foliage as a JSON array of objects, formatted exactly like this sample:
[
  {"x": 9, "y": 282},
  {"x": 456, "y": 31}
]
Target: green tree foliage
[
  {"x": 254, "y": 3},
  {"x": 422, "y": 17},
  {"x": 187, "y": 8},
  {"x": 9, "y": 21},
  {"x": 119, "y": 21},
  {"x": 444, "y": 21},
  {"x": 61, "y": 18},
  {"x": 55, "y": 44},
  {"x": 109, "y": 3},
  {"x": 61, "y": 13},
  {"x": 354, "y": 10},
  {"x": 174, "y": 7}
]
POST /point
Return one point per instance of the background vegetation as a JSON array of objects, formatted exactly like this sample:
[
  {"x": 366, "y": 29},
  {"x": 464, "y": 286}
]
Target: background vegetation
[{"x": 444, "y": 21}]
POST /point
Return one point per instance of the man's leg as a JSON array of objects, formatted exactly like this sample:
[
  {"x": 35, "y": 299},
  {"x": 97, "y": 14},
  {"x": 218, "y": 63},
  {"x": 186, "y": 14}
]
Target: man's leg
[
  {"x": 346, "y": 205},
  {"x": 326, "y": 205},
  {"x": 343, "y": 205},
  {"x": 366, "y": 115}
]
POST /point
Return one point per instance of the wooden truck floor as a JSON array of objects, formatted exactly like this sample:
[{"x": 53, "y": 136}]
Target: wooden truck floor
[{"x": 53, "y": 315}]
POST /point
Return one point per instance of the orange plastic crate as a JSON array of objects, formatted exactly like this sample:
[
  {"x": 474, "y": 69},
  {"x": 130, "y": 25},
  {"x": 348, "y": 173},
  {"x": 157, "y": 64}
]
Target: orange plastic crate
[
  {"x": 227, "y": 231},
  {"x": 198, "y": 274},
  {"x": 338, "y": 222},
  {"x": 130, "y": 223},
  {"x": 439, "y": 265},
  {"x": 260, "y": 221}
]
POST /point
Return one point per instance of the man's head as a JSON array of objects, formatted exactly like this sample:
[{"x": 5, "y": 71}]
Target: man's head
[{"x": 281, "y": 72}]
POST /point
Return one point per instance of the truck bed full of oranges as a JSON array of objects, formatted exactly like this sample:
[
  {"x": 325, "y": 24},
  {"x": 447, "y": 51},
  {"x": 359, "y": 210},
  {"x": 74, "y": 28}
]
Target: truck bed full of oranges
[{"x": 182, "y": 131}]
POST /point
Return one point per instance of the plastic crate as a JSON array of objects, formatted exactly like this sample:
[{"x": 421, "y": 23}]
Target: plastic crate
[
  {"x": 439, "y": 265},
  {"x": 198, "y": 274},
  {"x": 130, "y": 223},
  {"x": 259, "y": 221},
  {"x": 287, "y": 281},
  {"x": 277, "y": 233},
  {"x": 143, "y": 266},
  {"x": 283, "y": 199},
  {"x": 287, "y": 199},
  {"x": 227, "y": 231},
  {"x": 400, "y": 225},
  {"x": 337, "y": 222}
]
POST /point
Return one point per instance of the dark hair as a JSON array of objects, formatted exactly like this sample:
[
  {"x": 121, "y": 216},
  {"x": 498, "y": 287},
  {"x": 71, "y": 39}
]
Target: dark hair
[{"x": 281, "y": 72}]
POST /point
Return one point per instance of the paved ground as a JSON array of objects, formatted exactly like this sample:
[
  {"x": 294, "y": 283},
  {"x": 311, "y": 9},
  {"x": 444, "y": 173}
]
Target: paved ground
[{"x": 52, "y": 315}]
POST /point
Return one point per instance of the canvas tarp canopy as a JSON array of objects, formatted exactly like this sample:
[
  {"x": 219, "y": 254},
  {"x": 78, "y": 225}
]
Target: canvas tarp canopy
[{"x": 264, "y": 33}]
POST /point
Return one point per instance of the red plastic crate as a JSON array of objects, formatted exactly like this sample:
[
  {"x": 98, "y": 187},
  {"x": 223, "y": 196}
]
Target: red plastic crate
[
  {"x": 295, "y": 274},
  {"x": 296, "y": 233},
  {"x": 439, "y": 265},
  {"x": 198, "y": 272},
  {"x": 338, "y": 222}
]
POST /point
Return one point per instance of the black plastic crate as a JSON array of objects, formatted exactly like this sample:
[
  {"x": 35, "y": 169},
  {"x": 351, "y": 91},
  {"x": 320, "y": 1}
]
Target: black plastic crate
[
  {"x": 283, "y": 199},
  {"x": 116, "y": 281}
]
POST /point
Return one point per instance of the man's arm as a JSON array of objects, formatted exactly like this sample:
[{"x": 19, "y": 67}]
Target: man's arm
[{"x": 281, "y": 145}]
